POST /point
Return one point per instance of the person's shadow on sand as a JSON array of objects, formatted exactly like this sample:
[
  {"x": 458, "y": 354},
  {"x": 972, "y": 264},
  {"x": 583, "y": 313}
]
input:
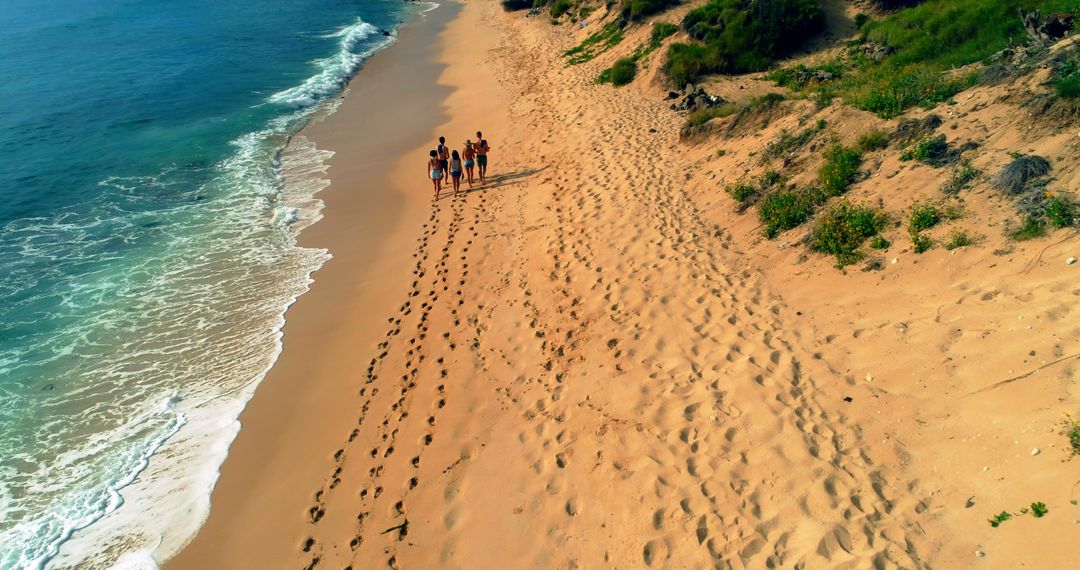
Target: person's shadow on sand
[{"x": 498, "y": 181}]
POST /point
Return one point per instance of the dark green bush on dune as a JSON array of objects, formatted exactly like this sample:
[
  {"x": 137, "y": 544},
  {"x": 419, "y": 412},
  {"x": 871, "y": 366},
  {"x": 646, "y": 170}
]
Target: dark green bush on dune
[
  {"x": 514, "y": 5},
  {"x": 622, "y": 73},
  {"x": 638, "y": 9},
  {"x": 740, "y": 36}
]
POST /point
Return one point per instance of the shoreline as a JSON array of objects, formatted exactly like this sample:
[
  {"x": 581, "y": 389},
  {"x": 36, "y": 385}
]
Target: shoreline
[{"x": 366, "y": 235}]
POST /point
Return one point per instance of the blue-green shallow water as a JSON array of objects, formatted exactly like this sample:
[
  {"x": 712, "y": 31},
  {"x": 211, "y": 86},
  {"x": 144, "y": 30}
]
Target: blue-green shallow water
[{"x": 147, "y": 250}]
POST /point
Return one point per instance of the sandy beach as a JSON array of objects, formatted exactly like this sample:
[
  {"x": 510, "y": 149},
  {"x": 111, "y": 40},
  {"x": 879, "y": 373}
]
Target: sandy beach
[{"x": 591, "y": 361}]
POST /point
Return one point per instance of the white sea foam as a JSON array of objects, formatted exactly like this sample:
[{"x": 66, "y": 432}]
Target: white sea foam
[
  {"x": 160, "y": 493},
  {"x": 334, "y": 71}
]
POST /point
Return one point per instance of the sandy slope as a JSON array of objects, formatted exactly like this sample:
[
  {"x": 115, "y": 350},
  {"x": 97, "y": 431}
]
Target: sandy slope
[{"x": 598, "y": 365}]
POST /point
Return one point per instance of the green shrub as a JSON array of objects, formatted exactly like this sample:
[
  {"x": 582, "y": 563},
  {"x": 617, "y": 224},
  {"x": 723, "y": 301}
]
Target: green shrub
[
  {"x": 560, "y": 7},
  {"x": 771, "y": 178},
  {"x": 879, "y": 242},
  {"x": 959, "y": 238},
  {"x": 661, "y": 31},
  {"x": 597, "y": 43},
  {"x": 920, "y": 242},
  {"x": 1061, "y": 212},
  {"x": 1071, "y": 430},
  {"x": 844, "y": 228},
  {"x": 1031, "y": 228},
  {"x": 929, "y": 149},
  {"x": 924, "y": 216},
  {"x": 742, "y": 193},
  {"x": 638, "y": 9},
  {"x": 840, "y": 170},
  {"x": 800, "y": 76},
  {"x": 888, "y": 90},
  {"x": 873, "y": 140},
  {"x": 734, "y": 37},
  {"x": 961, "y": 178},
  {"x": 622, "y": 73},
  {"x": 783, "y": 210}
]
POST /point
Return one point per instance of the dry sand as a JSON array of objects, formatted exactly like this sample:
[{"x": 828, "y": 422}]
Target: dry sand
[{"x": 594, "y": 364}]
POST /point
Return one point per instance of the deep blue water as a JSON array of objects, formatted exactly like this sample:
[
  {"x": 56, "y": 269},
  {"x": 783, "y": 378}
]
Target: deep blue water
[{"x": 147, "y": 249}]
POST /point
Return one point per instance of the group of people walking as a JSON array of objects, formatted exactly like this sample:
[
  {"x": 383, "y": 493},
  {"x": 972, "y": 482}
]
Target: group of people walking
[{"x": 445, "y": 163}]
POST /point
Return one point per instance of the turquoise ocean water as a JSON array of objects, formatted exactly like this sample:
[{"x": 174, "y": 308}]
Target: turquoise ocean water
[{"x": 148, "y": 220}]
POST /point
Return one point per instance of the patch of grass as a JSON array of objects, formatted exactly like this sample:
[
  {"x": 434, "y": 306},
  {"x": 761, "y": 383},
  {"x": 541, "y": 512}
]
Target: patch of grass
[
  {"x": 702, "y": 116},
  {"x": 879, "y": 242},
  {"x": 1061, "y": 212},
  {"x": 734, "y": 37},
  {"x": 1031, "y": 228},
  {"x": 960, "y": 238},
  {"x": 962, "y": 177},
  {"x": 637, "y": 9},
  {"x": 1071, "y": 430},
  {"x": 929, "y": 149},
  {"x": 1013, "y": 177},
  {"x": 597, "y": 43},
  {"x": 619, "y": 74},
  {"x": 741, "y": 192},
  {"x": 872, "y": 140},
  {"x": 560, "y": 7},
  {"x": 788, "y": 143},
  {"x": 799, "y": 77},
  {"x": 843, "y": 230},
  {"x": 1039, "y": 510},
  {"x": 783, "y": 210},
  {"x": 924, "y": 216},
  {"x": 996, "y": 520},
  {"x": 921, "y": 242},
  {"x": 840, "y": 170},
  {"x": 660, "y": 31}
]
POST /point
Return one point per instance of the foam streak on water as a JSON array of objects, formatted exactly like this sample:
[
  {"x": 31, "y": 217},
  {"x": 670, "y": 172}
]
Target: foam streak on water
[{"x": 165, "y": 299}]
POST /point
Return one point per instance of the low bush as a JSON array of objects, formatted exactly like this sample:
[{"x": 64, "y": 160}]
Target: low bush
[
  {"x": 783, "y": 210},
  {"x": 873, "y": 140},
  {"x": 924, "y": 216},
  {"x": 734, "y": 37},
  {"x": 1061, "y": 212},
  {"x": 619, "y": 74},
  {"x": 1013, "y": 177},
  {"x": 888, "y": 90},
  {"x": 879, "y": 242},
  {"x": 843, "y": 230},
  {"x": 929, "y": 149},
  {"x": 958, "y": 239},
  {"x": 1031, "y": 228},
  {"x": 840, "y": 170},
  {"x": 560, "y": 7},
  {"x": 741, "y": 192},
  {"x": 1071, "y": 430},
  {"x": 961, "y": 178},
  {"x": 597, "y": 43},
  {"x": 921, "y": 242},
  {"x": 638, "y": 9}
]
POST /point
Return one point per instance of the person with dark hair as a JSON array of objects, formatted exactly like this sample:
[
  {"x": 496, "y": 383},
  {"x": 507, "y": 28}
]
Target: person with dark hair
[
  {"x": 434, "y": 170},
  {"x": 482, "y": 149},
  {"x": 455, "y": 170},
  {"x": 444, "y": 155}
]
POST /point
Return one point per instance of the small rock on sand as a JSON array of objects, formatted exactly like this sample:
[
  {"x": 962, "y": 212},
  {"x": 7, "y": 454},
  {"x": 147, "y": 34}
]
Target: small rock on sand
[
  {"x": 1070, "y": 261},
  {"x": 1035, "y": 452}
]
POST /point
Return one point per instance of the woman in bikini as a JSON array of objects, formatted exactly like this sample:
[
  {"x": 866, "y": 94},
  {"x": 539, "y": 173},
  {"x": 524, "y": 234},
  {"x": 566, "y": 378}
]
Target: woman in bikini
[
  {"x": 470, "y": 161},
  {"x": 434, "y": 171},
  {"x": 455, "y": 170}
]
